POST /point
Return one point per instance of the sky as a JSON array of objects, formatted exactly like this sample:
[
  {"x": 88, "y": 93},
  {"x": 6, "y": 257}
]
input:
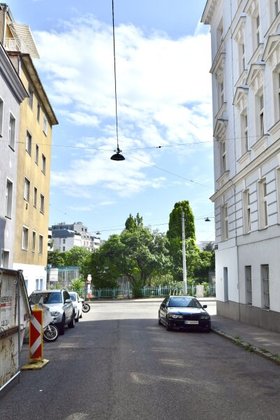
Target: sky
[{"x": 164, "y": 112}]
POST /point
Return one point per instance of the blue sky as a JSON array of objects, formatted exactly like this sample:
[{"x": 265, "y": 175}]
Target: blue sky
[{"x": 163, "y": 59}]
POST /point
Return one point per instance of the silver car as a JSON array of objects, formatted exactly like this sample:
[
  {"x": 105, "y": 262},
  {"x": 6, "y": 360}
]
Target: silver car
[
  {"x": 78, "y": 306},
  {"x": 60, "y": 304}
]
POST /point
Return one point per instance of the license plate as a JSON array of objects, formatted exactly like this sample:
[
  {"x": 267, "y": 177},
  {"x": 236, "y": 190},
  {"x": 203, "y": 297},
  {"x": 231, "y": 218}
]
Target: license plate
[{"x": 192, "y": 322}]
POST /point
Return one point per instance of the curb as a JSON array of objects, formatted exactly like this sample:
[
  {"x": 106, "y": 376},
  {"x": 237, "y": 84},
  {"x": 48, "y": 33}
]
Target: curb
[{"x": 248, "y": 347}]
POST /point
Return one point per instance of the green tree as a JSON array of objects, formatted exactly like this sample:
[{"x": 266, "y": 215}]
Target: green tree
[
  {"x": 76, "y": 256},
  {"x": 137, "y": 254},
  {"x": 206, "y": 263},
  {"x": 56, "y": 259},
  {"x": 174, "y": 235},
  {"x": 133, "y": 223},
  {"x": 78, "y": 285}
]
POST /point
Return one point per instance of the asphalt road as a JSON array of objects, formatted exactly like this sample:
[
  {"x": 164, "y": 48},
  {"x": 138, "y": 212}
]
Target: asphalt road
[{"x": 119, "y": 364}]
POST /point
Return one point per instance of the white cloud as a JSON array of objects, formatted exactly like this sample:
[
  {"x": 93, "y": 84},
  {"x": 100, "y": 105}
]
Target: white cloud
[{"x": 164, "y": 98}]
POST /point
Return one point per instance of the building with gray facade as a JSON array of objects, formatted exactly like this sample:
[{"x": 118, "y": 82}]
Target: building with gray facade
[{"x": 12, "y": 93}]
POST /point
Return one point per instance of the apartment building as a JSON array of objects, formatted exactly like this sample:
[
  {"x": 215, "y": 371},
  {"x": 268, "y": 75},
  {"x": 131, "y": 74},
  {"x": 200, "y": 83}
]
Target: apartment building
[
  {"x": 245, "y": 42},
  {"x": 66, "y": 236},
  {"x": 12, "y": 93},
  {"x": 34, "y": 155}
]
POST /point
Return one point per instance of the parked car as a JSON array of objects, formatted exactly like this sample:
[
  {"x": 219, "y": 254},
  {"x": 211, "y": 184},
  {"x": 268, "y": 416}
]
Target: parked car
[
  {"x": 184, "y": 312},
  {"x": 60, "y": 305},
  {"x": 78, "y": 305}
]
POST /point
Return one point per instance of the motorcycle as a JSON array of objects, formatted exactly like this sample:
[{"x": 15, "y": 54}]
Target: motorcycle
[
  {"x": 85, "y": 306},
  {"x": 50, "y": 332}
]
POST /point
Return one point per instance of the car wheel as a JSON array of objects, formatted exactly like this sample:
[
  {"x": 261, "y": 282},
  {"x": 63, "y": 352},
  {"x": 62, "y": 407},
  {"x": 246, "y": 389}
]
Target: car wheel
[
  {"x": 72, "y": 322},
  {"x": 168, "y": 326},
  {"x": 61, "y": 326},
  {"x": 159, "y": 321}
]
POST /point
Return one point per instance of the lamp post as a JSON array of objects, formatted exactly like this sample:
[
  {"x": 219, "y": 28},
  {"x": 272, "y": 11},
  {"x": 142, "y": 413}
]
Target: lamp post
[{"x": 185, "y": 284}]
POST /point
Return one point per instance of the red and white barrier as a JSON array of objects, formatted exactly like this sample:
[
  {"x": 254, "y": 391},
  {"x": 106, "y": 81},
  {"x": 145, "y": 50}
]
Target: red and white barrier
[{"x": 36, "y": 336}]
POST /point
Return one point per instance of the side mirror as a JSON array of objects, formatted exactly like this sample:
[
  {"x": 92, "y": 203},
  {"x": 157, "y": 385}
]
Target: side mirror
[
  {"x": 68, "y": 300},
  {"x": 204, "y": 306}
]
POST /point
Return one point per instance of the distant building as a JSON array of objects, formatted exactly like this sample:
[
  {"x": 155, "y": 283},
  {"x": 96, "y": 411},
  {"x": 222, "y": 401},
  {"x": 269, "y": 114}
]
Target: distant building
[
  {"x": 66, "y": 236},
  {"x": 245, "y": 40}
]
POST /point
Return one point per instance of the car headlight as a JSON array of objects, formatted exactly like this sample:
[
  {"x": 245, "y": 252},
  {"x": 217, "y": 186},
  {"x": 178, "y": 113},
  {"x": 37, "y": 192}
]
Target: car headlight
[
  {"x": 204, "y": 317},
  {"x": 175, "y": 316},
  {"x": 56, "y": 313}
]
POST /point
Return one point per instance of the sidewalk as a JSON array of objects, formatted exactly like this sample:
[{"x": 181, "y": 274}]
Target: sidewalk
[{"x": 263, "y": 342}]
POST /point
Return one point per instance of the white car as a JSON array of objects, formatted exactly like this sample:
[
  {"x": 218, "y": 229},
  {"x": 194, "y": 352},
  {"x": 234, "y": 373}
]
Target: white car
[
  {"x": 60, "y": 305},
  {"x": 77, "y": 303}
]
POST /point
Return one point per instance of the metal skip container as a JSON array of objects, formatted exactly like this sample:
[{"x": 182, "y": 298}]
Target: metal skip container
[{"x": 15, "y": 314}]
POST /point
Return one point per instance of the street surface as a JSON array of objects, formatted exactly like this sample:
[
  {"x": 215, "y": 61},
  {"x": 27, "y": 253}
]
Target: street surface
[{"x": 119, "y": 364}]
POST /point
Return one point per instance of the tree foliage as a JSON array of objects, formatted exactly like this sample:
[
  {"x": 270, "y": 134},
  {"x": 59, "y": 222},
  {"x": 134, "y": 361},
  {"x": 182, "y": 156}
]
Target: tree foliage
[
  {"x": 56, "y": 259},
  {"x": 137, "y": 254},
  {"x": 174, "y": 235}
]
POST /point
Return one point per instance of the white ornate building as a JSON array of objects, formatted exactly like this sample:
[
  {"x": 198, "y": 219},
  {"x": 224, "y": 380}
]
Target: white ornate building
[{"x": 245, "y": 41}]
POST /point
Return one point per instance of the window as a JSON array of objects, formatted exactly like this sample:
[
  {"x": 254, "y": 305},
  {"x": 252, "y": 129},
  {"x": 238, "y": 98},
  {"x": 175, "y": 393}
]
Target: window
[
  {"x": 12, "y": 133},
  {"x": 5, "y": 256},
  {"x": 225, "y": 278},
  {"x": 37, "y": 154},
  {"x": 246, "y": 211},
  {"x": 45, "y": 125},
  {"x": 248, "y": 280},
  {"x": 276, "y": 86},
  {"x": 43, "y": 164},
  {"x": 31, "y": 97},
  {"x": 40, "y": 244},
  {"x": 220, "y": 33},
  {"x": 24, "y": 238},
  {"x": 39, "y": 284},
  {"x": 223, "y": 156},
  {"x": 221, "y": 93},
  {"x": 28, "y": 143},
  {"x": 9, "y": 198},
  {"x": 260, "y": 115},
  {"x": 263, "y": 214},
  {"x": 1, "y": 116},
  {"x": 42, "y": 203},
  {"x": 244, "y": 132},
  {"x": 26, "y": 192},
  {"x": 242, "y": 56},
  {"x": 257, "y": 31},
  {"x": 224, "y": 222},
  {"x": 265, "y": 286},
  {"x": 33, "y": 241},
  {"x": 276, "y": 8},
  {"x": 38, "y": 112},
  {"x": 35, "y": 197}
]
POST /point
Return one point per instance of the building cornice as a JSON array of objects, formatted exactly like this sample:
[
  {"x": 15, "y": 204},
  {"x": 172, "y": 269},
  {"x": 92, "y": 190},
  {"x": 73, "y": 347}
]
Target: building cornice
[
  {"x": 12, "y": 78},
  {"x": 208, "y": 11},
  {"x": 32, "y": 72}
]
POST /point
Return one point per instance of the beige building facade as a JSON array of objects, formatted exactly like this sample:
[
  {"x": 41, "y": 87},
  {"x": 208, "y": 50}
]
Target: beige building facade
[{"x": 34, "y": 156}]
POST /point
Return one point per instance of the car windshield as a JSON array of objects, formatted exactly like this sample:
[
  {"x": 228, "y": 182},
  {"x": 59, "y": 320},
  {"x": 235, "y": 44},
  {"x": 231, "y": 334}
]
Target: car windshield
[
  {"x": 184, "y": 302},
  {"x": 51, "y": 297}
]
